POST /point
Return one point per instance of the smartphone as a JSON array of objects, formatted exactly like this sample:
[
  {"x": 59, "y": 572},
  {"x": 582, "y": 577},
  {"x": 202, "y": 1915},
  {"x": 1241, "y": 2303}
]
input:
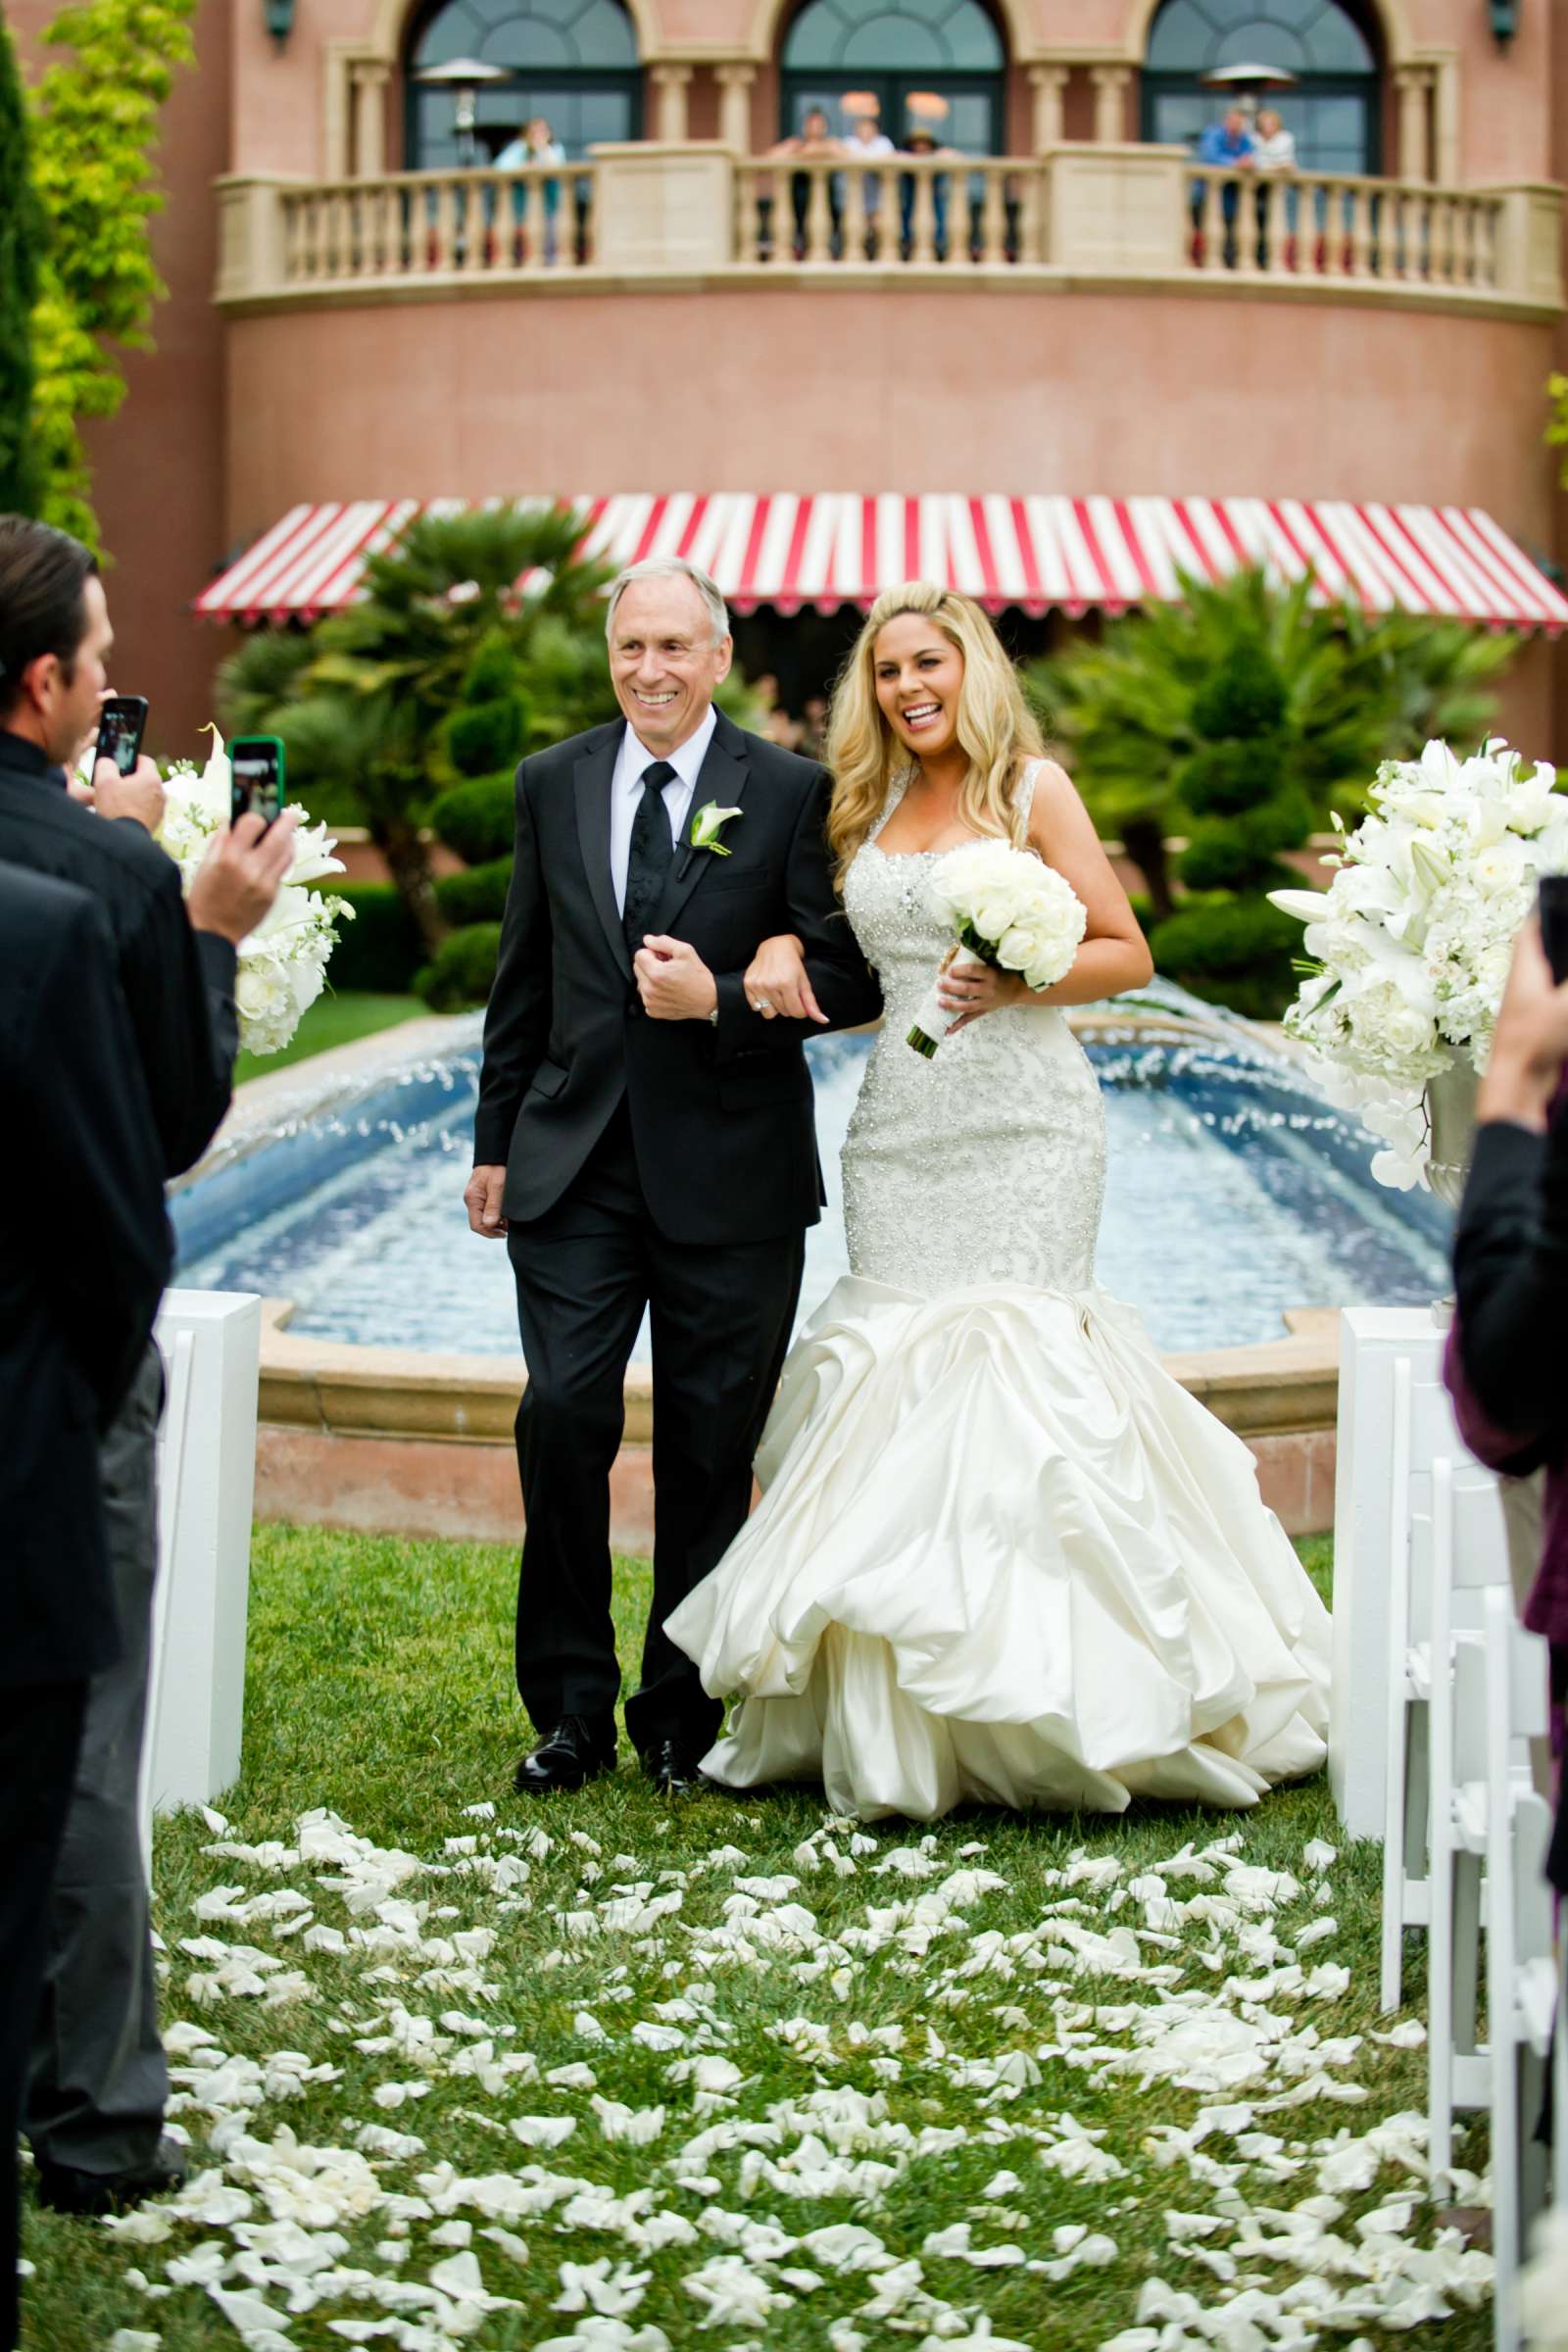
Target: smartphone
[
  {"x": 255, "y": 771},
  {"x": 122, "y": 723},
  {"x": 1554, "y": 923}
]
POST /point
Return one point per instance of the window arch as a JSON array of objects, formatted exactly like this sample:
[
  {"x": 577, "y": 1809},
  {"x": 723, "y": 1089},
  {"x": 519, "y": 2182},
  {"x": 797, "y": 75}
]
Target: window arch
[
  {"x": 941, "y": 64},
  {"x": 572, "y": 61},
  {"x": 1334, "y": 105}
]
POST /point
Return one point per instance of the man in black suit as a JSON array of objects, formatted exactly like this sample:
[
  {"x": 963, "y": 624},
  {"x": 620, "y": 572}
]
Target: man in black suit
[
  {"x": 645, "y": 1140},
  {"x": 77, "y": 1308},
  {"x": 95, "y": 2102}
]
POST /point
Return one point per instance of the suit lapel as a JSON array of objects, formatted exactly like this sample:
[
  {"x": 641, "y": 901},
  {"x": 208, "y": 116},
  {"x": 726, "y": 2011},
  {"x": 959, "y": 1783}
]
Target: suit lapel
[
  {"x": 723, "y": 777},
  {"x": 593, "y": 775}
]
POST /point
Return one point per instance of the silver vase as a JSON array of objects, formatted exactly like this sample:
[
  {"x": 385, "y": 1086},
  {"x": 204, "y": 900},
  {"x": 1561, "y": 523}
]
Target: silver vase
[{"x": 1451, "y": 1120}]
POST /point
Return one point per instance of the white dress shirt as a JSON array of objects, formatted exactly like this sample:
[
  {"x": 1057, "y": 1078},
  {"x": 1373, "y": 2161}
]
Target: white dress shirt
[{"x": 626, "y": 792}]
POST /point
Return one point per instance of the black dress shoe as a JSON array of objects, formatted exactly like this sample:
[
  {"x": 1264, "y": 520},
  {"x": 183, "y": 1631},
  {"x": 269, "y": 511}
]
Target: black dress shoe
[
  {"x": 675, "y": 1767},
  {"x": 64, "y": 2189},
  {"x": 574, "y": 1751}
]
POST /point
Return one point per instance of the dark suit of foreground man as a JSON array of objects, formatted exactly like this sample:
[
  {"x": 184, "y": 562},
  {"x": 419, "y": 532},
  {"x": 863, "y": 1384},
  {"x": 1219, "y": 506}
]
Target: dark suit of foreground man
[
  {"x": 84, "y": 1255},
  {"x": 645, "y": 1140}
]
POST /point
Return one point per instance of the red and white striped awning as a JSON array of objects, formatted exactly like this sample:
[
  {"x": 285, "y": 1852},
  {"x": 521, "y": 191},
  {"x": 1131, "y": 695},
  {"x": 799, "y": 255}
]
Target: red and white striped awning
[{"x": 830, "y": 548}]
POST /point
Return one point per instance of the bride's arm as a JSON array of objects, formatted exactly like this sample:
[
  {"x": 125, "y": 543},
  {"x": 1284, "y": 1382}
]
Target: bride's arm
[{"x": 1114, "y": 954}]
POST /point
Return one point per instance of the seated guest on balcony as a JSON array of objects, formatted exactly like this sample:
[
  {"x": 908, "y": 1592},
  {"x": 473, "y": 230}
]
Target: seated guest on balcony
[
  {"x": 1226, "y": 146},
  {"x": 78, "y": 1289},
  {"x": 813, "y": 139},
  {"x": 1505, "y": 1356},
  {"x": 535, "y": 143}
]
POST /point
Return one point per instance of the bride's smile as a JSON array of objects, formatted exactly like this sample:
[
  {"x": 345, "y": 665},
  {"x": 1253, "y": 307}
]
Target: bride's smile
[{"x": 919, "y": 679}]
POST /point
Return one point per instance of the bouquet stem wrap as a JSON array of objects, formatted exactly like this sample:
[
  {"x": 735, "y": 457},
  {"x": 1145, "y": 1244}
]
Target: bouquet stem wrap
[{"x": 932, "y": 1023}]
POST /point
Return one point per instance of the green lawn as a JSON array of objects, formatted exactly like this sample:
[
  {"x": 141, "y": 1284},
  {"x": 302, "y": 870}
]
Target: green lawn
[
  {"x": 817, "y": 2032},
  {"x": 334, "y": 1019}
]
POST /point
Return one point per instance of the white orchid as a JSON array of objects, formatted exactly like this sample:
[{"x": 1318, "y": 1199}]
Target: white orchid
[{"x": 1413, "y": 937}]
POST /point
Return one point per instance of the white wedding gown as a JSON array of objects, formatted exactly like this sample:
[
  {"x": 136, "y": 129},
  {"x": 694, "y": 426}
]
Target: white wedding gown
[{"x": 1001, "y": 1555}]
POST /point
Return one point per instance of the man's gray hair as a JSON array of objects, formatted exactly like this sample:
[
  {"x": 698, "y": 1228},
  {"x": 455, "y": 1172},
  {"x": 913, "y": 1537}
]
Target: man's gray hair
[{"x": 672, "y": 567}]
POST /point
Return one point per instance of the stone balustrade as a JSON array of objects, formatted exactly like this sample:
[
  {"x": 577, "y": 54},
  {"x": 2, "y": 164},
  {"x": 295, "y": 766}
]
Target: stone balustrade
[{"x": 697, "y": 211}]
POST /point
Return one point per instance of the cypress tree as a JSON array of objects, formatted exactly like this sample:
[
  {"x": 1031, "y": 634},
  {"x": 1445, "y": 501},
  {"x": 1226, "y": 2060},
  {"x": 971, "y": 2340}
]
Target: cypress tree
[{"x": 21, "y": 239}]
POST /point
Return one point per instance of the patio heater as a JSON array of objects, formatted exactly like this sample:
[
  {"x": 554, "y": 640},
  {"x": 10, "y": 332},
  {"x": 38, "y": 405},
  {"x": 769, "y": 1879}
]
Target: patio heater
[
  {"x": 463, "y": 77},
  {"x": 1246, "y": 84}
]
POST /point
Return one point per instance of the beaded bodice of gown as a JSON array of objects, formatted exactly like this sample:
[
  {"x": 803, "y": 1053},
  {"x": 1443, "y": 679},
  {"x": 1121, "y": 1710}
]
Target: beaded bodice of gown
[{"x": 986, "y": 1164}]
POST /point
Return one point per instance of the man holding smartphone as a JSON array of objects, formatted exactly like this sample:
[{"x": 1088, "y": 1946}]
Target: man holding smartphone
[{"x": 99, "y": 2084}]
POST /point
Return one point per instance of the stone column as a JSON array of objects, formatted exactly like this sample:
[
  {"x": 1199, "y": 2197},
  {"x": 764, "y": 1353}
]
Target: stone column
[
  {"x": 735, "y": 105},
  {"x": 369, "y": 78},
  {"x": 1049, "y": 83},
  {"x": 1110, "y": 106},
  {"x": 669, "y": 85},
  {"x": 1414, "y": 84}
]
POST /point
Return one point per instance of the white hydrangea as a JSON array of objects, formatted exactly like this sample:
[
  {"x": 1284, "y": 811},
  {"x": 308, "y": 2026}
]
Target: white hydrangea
[
  {"x": 1413, "y": 938},
  {"x": 282, "y": 965}
]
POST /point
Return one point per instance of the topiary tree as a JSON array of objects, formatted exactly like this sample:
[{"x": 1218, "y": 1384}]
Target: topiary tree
[
  {"x": 1242, "y": 787},
  {"x": 95, "y": 122},
  {"x": 21, "y": 240}
]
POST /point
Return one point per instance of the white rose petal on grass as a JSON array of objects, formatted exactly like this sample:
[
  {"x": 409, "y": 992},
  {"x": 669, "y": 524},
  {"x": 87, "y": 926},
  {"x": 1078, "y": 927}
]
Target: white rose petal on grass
[
  {"x": 133, "y": 2340},
  {"x": 636, "y": 2125},
  {"x": 615, "y": 2290},
  {"x": 542, "y": 2130},
  {"x": 733, "y": 2294}
]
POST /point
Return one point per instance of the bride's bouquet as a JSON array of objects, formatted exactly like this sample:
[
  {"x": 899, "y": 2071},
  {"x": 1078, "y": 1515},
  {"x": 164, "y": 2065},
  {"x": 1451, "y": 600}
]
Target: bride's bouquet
[
  {"x": 1007, "y": 908},
  {"x": 1410, "y": 945},
  {"x": 282, "y": 965}
]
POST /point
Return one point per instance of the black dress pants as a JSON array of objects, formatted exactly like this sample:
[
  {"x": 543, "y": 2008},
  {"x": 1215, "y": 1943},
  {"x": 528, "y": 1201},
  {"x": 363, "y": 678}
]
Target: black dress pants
[
  {"x": 722, "y": 1317},
  {"x": 40, "y": 1731}
]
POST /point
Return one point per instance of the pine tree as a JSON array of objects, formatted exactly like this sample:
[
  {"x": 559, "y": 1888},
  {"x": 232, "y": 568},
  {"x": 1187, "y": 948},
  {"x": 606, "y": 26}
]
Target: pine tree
[{"x": 20, "y": 239}]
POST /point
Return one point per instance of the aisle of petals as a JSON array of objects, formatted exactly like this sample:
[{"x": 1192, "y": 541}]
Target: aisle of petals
[{"x": 886, "y": 2096}]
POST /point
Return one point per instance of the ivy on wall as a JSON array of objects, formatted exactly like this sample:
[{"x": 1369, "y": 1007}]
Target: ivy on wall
[
  {"x": 20, "y": 239},
  {"x": 95, "y": 127}
]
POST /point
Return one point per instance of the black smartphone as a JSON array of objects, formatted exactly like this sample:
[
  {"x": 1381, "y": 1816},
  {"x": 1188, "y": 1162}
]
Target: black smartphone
[
  {"x": 1554, "y": 923},
  {"x": 255, "y": 771},
  {"x": 121, "y": 724}
]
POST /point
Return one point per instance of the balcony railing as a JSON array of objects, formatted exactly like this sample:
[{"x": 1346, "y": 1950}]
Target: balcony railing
[{"x": 1076, "y": 215}]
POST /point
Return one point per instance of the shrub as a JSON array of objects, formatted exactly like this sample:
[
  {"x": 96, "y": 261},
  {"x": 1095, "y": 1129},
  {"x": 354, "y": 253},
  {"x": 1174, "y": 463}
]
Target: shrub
[
  {"x": 478, "y": 895},
  {"x": 381, "y": 948},
  {"x": 476, "y": 819},
  {"x": 1234, "y": 951},
  {"x": 463, "y": 969}
]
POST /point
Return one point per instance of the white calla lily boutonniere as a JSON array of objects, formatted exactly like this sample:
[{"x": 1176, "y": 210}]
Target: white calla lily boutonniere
[{"x": 708, "y": 825}]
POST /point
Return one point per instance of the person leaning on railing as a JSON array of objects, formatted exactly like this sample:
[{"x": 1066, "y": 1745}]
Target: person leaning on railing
[
  {"x": 1506, "y": 1366},
  {"x": 536, "y": 143},
  {"x": 1274, "y": 154},
  {"x": 1224, "y": 146},
  {"x": 812, "y": 143}
]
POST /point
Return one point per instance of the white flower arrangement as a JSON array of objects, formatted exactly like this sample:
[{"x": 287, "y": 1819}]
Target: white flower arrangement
[
  {"x": 1007, "y": 908},
  {"x": 282, "y": 964},
  {"x": 1411, "y": 943}
]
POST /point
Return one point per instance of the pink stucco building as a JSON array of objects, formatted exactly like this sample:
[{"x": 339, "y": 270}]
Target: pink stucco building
[{"x": 1055, "y": 304}]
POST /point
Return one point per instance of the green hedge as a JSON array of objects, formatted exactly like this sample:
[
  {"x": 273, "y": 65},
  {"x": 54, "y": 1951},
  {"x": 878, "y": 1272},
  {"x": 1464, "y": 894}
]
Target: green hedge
[
  {"x": 463, "y": 969},
  {"x": 1234, "y": 951},
  {"x": 478, "y": 895},
  {"x": 476, "y": 819},
  {"x": 382, "y": 949}
]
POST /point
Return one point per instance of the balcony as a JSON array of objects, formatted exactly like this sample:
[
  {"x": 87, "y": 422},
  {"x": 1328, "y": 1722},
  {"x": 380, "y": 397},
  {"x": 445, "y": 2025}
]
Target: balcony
[{"x": 1076, "y": 218}]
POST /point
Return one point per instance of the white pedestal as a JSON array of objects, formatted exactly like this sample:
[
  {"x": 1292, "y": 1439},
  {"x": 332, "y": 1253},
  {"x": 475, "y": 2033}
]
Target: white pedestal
[
  {"x": 211, "y": 1340},
  {"x": 1372, "y": 1339}
]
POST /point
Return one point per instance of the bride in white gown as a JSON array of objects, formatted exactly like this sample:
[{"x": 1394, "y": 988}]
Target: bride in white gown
[{"x": 1001, "y": 1555}]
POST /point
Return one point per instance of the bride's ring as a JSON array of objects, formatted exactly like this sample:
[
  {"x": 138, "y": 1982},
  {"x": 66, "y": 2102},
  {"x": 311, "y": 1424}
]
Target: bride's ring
[{"x": 760, "y": 1005}]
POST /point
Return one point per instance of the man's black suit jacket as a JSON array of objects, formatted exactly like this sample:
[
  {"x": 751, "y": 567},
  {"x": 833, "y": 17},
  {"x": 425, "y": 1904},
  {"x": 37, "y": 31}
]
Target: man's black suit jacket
[
  {"x": 721, "y": 1116},
  {"x": 177, "y": 984},
  {"x": 84, "y": 1252}
]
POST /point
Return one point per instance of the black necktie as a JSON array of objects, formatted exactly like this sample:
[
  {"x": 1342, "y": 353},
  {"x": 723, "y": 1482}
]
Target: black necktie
[{"x": 652, "y": 854}]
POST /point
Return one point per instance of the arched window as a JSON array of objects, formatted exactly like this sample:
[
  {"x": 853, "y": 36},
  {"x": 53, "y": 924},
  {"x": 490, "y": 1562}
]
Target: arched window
[
  {"x": 936, "y": 62},
  {"x": 572, "y": 61},
  {"x": 1333, "y": 107}
]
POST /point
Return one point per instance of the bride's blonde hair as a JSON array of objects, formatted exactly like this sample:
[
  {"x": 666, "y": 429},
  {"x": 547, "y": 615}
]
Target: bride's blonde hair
[{"x": 996, "y": 726}]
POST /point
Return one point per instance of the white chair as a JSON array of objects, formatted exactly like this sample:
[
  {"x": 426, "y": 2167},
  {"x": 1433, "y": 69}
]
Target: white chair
[
  {"x": 1521, "y": 1972},
  {"x": 1468, "y": 1563},
  {"x": 1422, "y": 1431}
]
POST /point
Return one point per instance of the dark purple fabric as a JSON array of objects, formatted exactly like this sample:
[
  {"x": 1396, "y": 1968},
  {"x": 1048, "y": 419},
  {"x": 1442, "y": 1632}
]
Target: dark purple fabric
[{"x": 1505, "y": 1450}]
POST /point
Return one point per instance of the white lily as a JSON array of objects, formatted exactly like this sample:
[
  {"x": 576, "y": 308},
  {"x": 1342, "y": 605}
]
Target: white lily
[{"x": 708, "y": 825}]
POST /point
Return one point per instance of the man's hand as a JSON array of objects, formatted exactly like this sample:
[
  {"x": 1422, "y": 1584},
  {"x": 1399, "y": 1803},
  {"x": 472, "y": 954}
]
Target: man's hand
[
  {"x": 481, "y": 1198},
  {"x": 674, "y": 981},
  {"x": 1530, "y": 1048},
  {"x": 141, "y": 795},
  {"x": 238, "y": 880}
]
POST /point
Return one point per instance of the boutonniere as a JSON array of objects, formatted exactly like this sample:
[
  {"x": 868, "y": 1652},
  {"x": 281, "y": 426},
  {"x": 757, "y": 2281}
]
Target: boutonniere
[{"x": 707, "y": 826}]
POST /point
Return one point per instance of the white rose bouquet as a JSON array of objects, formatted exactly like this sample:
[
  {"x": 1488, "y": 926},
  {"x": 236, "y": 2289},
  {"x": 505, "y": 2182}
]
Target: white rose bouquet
[
  {"x": 282, "y": 965},
  {"x": 1411, "y": 943},
  {"x": 1007, "y": 908}
]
